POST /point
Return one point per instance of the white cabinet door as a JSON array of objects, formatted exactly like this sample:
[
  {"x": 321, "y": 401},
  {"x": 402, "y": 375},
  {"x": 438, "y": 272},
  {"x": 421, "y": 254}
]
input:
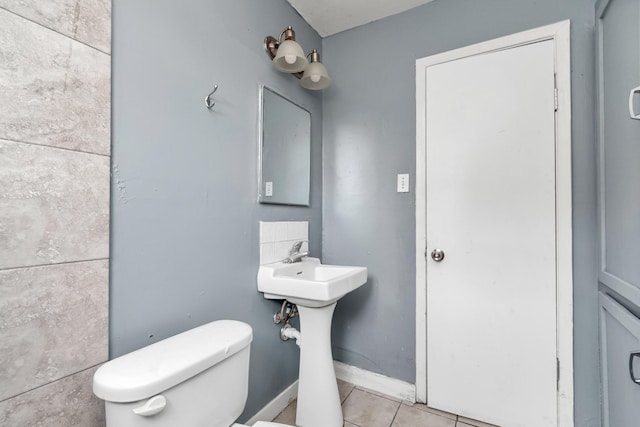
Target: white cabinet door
[
  {"x": 618, "y": 37},
  {"x": 620, "y": 354},
  {"x": 619, "y": 140}
]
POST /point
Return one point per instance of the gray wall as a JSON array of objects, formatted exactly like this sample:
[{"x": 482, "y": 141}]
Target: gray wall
[
  {"x": 184, "y": 179},
  {"x": 369, "y": 137},
  {"x": 54, "y": 209}
]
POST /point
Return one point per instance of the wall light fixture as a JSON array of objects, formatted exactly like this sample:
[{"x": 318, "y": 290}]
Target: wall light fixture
[{"x": 287, "y": 56}]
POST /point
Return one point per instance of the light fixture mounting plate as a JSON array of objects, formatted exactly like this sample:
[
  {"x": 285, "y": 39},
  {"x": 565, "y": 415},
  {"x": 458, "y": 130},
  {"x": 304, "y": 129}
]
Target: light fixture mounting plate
[{"x": 271, "y": 46}]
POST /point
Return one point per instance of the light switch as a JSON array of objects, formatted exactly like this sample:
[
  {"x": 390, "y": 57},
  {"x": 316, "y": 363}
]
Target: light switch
[
  {"x": 268, "y": 189},
  {"x": 403, "y": 183}
]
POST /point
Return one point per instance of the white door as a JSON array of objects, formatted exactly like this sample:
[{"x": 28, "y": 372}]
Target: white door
[{"x": 490, "y": 207}]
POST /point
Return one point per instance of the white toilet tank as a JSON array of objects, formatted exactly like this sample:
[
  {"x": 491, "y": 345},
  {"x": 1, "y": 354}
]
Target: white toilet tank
[{"x": 197, "y": 378}]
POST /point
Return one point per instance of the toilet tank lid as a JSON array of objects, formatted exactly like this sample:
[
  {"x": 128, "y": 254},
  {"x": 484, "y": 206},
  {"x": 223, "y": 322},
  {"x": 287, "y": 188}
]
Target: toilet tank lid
[{"x": 160, "y": 366}]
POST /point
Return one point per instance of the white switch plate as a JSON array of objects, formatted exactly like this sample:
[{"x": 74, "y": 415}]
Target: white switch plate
[
  {"x": 403, "y": 183},
  {"x": 268, "y": 189}
]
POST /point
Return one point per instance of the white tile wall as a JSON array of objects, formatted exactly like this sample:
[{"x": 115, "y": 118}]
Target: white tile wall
[{"x": 277, "y": 237}]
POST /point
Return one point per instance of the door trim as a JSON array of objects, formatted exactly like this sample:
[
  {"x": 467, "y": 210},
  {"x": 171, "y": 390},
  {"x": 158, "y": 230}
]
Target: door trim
[{"x": 560, "y": 34}]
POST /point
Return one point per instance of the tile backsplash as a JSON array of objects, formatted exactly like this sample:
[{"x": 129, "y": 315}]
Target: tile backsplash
[{"x": 277, "y": 237}]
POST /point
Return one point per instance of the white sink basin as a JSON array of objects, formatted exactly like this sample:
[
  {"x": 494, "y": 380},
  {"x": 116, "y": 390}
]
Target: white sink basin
[{"x": 308, "y": 283}]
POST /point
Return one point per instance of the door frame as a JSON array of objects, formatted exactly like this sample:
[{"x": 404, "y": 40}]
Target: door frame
[{"x": 560, "y": 34}]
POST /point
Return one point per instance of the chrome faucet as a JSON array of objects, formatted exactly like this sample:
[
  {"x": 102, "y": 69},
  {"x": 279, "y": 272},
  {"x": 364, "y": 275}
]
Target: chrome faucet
[{"x": 294, "y": 253}]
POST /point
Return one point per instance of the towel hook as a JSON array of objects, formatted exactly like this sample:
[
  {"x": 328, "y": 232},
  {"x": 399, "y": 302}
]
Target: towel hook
[{"x": 208, "y": 101}]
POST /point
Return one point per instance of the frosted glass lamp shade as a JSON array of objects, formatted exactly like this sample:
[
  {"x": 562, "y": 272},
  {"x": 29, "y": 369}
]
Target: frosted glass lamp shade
[
  {"x": 290, "y": 57},
  {"x": 315, "y": 77}
]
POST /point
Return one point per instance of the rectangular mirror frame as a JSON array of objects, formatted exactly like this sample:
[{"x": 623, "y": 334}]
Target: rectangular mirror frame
[{"x": 306, "y": 181}]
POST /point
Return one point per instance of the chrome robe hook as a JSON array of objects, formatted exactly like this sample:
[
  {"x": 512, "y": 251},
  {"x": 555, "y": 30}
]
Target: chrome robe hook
[{"x": 208, "y": 101}]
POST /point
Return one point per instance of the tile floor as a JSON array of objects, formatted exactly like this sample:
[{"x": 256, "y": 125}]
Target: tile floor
[{"x": 365, "y": 408}]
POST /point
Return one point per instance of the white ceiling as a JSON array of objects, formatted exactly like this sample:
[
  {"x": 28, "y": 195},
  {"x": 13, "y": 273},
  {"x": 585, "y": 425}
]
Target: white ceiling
[{"x": 329, "y": 17}]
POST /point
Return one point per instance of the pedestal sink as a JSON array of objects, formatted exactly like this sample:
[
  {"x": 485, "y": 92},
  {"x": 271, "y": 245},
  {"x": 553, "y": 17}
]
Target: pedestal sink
[{"x": 315, "y": 288}]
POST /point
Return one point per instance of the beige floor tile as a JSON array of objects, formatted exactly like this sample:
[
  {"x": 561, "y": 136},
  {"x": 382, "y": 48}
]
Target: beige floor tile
[
  {"x": 368, "y": 410},
  {"x": 288, "y": 416},
  {"x": 377, "y": 393},
  {"x": 345, "y": 389},
  {"x": 365, "y": 408},
  {"x": 474, "y": 423},
  {"x": 409, "y": 416},
  {"x": 425, "y": 408}
]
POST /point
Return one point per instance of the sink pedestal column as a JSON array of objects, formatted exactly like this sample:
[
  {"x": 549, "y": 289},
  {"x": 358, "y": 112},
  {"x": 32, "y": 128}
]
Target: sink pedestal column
[{"x": 318, "y": 397}]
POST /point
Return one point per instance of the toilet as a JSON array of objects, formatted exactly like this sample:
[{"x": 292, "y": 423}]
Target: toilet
[{"x": 198, "y": 378}]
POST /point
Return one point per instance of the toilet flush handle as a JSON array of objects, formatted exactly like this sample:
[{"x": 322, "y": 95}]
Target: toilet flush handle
[{"x": 152, "y": 406}]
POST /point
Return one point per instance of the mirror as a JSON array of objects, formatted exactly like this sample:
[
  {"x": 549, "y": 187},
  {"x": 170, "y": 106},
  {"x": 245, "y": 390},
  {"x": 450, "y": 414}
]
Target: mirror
[{"x": 285, "y": 150}]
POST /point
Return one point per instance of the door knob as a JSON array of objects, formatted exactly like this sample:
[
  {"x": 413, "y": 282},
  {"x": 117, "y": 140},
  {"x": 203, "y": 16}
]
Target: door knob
[{"x": 437, "y": 255}]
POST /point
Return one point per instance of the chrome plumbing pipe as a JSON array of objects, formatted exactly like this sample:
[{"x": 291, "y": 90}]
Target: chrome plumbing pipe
[
  {"x": 287, "y": 332},
  {"x": 287, "y": 312}
]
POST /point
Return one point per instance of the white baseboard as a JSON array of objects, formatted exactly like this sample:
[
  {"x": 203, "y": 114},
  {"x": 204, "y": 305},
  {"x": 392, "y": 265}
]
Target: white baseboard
[
  {"x": 375, "y": 382},
  {"x": 277, "y": 405}
]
